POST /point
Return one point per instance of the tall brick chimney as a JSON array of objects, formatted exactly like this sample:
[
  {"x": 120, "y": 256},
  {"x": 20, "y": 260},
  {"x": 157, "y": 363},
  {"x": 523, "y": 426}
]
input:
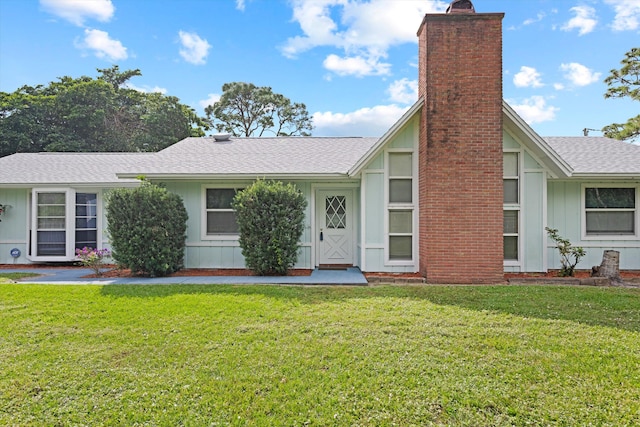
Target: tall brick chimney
[{"x": 460, "y": 152}]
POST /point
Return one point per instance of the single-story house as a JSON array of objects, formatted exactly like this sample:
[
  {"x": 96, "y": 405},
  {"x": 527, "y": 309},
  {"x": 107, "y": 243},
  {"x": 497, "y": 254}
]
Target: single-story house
[{"x": 459, "y": 189}]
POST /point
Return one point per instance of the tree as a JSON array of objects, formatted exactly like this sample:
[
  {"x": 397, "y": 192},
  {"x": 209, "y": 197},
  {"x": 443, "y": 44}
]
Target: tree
[
  {"x": 147, "y": 226},
  {"x": 625, "y": 82},
  {"x": 270, "y": 218},
  {"x": 86, "y": 114},
  {"x": 247, "y": 110}
]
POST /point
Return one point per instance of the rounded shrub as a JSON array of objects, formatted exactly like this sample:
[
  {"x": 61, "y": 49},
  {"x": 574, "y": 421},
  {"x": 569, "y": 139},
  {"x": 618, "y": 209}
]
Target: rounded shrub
[
  {"x": 270, "y": 217},
  {"x": 147, "y": 226}
]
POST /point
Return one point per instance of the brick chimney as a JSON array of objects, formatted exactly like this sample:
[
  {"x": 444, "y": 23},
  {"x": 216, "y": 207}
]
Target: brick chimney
[{"x": 460, "y": 152}]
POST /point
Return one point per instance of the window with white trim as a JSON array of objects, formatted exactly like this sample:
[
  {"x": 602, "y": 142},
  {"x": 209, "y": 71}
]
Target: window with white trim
[
  {"x": 62, "y": 220},
  {"x": 220, "y": 216},
  {"x": 610, "y": 211},
  {"x": 400, "y": 206},
  {"x": 511, "y": 210}
]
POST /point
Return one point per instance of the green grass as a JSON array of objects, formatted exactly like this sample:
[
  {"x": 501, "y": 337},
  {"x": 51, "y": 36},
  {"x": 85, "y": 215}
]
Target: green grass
[
  {"x": 321, "y": 356},
  {"x": 15, "y": 276}
]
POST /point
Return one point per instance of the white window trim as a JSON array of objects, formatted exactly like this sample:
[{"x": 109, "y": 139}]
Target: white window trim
[
  {"x": 203, "y": 211},
  {"x": 613, "y": 237},
  {"x": 515, "y": 207},
  {"x": 70, "y": 222},
  {"x": 401, "y": 206}
]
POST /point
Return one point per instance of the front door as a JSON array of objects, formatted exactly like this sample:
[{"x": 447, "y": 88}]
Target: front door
[{"x": 334, "y": 227}]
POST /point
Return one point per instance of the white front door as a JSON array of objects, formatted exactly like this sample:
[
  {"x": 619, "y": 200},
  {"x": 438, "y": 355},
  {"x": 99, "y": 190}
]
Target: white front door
[{"x": 334, "y": 227}]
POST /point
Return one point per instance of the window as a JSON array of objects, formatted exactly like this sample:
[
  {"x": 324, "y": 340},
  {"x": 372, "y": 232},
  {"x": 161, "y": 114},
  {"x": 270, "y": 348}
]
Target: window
[
  {"x": 610, "y": 211},
  {"x": 511, "y": 212},
  {"x": 63, "y": 220},
  {"x": 400, "y": 235},
  {"x": 221, "y": 218},
  {"x": 51, "y": 224},
  {"x": 400, "y": 178},
  {"x": 86, "y": 220},
  {"x": 401, "y": 208}
]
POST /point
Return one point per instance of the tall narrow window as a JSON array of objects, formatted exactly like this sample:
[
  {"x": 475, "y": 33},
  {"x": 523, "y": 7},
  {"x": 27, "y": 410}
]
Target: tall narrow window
[
  {"x": 511, "y": 213},
  {"x": 400, "y": 213},
  {"x": 86, "y": 220},
  {"x": 221, "y": 218},
  {"x": 51, "y": 224},
  {"x": 610, "y": 211}
]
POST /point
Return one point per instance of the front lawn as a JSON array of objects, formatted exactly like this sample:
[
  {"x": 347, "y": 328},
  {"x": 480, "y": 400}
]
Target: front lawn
[{"x": 320, "y": 356}]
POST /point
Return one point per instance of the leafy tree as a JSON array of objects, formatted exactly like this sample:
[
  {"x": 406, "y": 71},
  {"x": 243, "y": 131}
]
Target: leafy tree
[
  {"x": 147, "y": 226},
  {"x": 270, "y": 217},
  {"x": 569, "y": 255},
  {"x": 247, "y": 110},
  {"x": 625, "y": 82},
  {"x": 86, "y": 114}
]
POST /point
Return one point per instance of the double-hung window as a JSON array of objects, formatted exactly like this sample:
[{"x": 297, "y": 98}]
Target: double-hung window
[
  {"x": 61, "y": 221},
  {"x": 400, "y": 207},
  {"x": 220, "y": 216},
  {"x": 511, "y": 209},
  {"x": 611, "y": 211}
]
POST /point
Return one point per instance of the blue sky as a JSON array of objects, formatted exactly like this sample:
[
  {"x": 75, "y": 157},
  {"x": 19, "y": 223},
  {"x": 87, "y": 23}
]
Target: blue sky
[{"x": 352, "y": 62}]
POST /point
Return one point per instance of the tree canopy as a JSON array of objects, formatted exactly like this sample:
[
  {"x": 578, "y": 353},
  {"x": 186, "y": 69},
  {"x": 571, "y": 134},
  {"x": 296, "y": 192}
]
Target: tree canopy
[
  {"x": 245, "y": 109},
  {"x": 93, "y": 114},
  {"x": 625, "y": 82}
]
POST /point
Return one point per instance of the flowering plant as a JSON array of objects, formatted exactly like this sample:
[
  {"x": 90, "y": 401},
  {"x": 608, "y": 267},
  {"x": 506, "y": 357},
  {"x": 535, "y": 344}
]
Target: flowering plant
[{"x": 93, "y": 258}]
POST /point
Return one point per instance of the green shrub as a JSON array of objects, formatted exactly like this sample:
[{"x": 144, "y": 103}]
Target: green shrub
[
  {"x": 148, "y": 228},
  {"x": 270, "y": 218}
]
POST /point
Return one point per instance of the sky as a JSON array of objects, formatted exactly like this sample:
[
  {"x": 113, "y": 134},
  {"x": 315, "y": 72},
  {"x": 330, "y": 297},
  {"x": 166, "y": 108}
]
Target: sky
[{"x": 352, "y": 62}]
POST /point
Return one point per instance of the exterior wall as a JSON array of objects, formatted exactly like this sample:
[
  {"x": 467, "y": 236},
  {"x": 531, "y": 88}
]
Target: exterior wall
[
  {"x": 565, "y": 213},
  {"x": 532, "y": 208},
  {"x": 460, "y": 159},
  {"x": 14, "y": 225},
  {"x": 225, "y": 252},
  {"x": 374, "y": 196}
]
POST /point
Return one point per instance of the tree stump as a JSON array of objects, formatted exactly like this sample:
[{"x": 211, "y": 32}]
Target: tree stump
[{"x": 609, "y": 268}]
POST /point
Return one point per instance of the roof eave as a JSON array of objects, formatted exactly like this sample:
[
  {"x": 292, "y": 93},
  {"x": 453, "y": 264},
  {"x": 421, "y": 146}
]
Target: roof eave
[
  {"x": 557, "y": 166},
  {"x": 237, "y": 176}
]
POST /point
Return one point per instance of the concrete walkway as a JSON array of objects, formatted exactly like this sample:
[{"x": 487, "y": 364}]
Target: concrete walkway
[{"x": 74, "y": 276}]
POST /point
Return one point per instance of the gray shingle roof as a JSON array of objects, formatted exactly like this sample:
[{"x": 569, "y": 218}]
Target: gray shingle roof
[
  {"x": 257, "y": 157},
  {"x": 597, "y": 155},
  {"x": 67, "y": 168}
]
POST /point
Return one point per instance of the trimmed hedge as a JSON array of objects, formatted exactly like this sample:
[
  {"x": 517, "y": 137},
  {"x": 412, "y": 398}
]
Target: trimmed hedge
[
  {"x": 270, "y": 217},
  {"x": 148, "y": 228}
]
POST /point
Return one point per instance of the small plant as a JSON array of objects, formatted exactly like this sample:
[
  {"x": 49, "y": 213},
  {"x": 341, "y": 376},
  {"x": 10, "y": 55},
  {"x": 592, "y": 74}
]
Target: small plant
[
  {"x": 569, "y": 255},
  {"x": 93, "y": 258}
]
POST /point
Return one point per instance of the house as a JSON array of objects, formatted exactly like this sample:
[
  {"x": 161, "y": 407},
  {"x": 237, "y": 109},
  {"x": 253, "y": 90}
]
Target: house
[{"x": 460, "y": 189}]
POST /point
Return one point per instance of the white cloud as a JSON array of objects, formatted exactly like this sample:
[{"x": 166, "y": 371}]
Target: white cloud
[
  {"x": 558, "y": 86},
  {"x": 361, "y": 29},
  {"x": 403, "y": 91},
  {"x": 146, "y": 89},
  {"x": 194, "y": 48},
  {"x": 356, "y": 66},
  {"x": 212, "y": 99},
  {"x": 627, "y": 14},
  {"x": 535, "y": 110},
  {"x": 102, "y": 45},
  {"x": 373, "y": 121},
  {"x": 579, "y": 75},
  {"x": 585, "y": 20},
  {"x": 77, "y": 11},
  {"x": 240, "y": 5},
  {"x": 527, "y": 77},
  {"x": 538, "y": 18}
]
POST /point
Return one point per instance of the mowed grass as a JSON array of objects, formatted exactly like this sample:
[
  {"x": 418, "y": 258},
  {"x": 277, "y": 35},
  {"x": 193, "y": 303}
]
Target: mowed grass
[{"x": 318, "y": 356}]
